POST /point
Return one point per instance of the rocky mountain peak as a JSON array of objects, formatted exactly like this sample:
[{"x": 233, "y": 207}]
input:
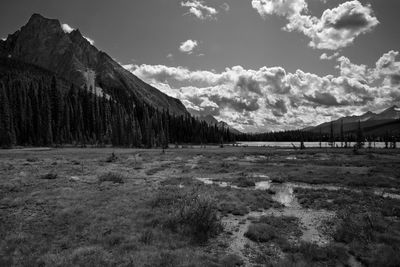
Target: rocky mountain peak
[{"x": 44, "y": 42}]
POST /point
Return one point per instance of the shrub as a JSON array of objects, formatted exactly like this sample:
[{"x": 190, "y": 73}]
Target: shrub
[
  {"x": 245, "y": 182},
  {"x": 112, "y": 177},
  {"x": 190, "y": 212},
  {"x": 260, "y": 232},
  {"x": 198, "y": 215},
  {"x": 353, "y": 227}
]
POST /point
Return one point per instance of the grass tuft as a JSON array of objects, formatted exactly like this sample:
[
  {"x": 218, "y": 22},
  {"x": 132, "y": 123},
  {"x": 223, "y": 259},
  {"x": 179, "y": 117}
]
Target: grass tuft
[{"x": 116, "y": 178}]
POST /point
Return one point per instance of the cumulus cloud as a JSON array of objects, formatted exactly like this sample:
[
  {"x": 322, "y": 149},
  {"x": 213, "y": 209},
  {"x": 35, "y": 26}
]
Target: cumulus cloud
[
  {"x": 325, "y": 56},
  {"x": 286, "y": 8},
  {"x": 200, "y": 10},
  {"x": 188, "y": 46},
  {"x": 270, "y": 98},
  {"x": 66, "y": 28},
  {"x": 335, "y": 29},
  {"x": 3, "y": 39}
]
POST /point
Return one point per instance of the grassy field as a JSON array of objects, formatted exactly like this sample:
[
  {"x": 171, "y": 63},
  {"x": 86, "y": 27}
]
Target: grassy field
[{"x": 199, "y": 207}]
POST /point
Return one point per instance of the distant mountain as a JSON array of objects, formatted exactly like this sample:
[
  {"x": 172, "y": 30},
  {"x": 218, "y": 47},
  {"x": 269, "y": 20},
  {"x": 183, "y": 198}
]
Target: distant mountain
[
  {"x": 372, "y": 123},
  {"x": 224, "y": 125},
  {"x": 392, "y": 113},
  {"x": 44, "y": 43},
  {"x": 211, "y": 120}
]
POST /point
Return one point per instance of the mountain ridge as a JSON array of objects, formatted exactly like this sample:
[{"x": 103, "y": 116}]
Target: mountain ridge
[
  {"x": 43, "y": 42},
  {"x": 369, "y": 120}
]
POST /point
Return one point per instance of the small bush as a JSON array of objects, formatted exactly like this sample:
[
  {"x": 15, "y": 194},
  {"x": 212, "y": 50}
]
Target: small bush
[
  {"x": 49, "y": 176},
  {"x": 354, "y": 227},
  {"x": 191, "y": 213},
  {"x": 198, "y": 214},
  {"x": 245, "y": 182},
  {"x": 112, "y": 177},
  {"x": 32, "y": 159},
  {"x": 260, "y": 232}
]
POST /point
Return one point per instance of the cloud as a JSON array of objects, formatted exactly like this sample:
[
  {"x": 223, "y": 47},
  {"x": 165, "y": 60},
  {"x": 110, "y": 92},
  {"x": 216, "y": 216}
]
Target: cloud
[
  {"x": 170, "y": 56},
  {"x": 270, "y": 98},
  {"x": 91, "y": 41},
  {"x": 188, "y": 46},
  {"x": 200, "y": 10},
  {"x": 325, "y": 56},
  {"x": 336, "y": 28},
  {"x": 66, "y": 28},
  {"x": 3, "y": 39},
  {"x": 325, "y": 99},
  {"x": 286, "y": 8}
]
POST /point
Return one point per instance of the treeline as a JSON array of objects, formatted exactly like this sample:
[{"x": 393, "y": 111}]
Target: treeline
[
  {"x": 38, "y": 109},
  {"x": 298, "y": 135}
]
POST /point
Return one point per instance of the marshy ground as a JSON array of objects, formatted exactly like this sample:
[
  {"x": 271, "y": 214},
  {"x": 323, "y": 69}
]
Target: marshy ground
[{"x": 232, "y": 206}]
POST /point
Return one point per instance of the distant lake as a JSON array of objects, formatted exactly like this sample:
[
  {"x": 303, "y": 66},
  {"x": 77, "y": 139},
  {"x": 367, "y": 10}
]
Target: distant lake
[{"x": 307, "y": 144}]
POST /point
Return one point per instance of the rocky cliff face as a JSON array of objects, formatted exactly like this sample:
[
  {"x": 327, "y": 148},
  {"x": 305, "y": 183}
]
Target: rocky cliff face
[{"x": 43, "y": 42}]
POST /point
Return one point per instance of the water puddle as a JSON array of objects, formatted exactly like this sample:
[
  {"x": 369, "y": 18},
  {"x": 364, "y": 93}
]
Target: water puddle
[
  {"x": 209, "y": 181},
  {"x": 263, "y": 185},
  {"x": 382, "y": 193},
  {"x": 284, "y": 191},
  {"x": 255, "y": 158},
  {"x": 284, "y": 194}
]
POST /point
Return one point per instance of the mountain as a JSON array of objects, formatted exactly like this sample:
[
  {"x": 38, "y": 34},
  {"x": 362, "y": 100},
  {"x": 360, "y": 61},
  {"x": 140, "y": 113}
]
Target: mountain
[
  {"x": 44, "y": 42},
  {"x": 211, "y": 120},
  {"x": 372, "y": 123},
  {"x": 392, "y": 113},
  {"x": 224, "y": 125}
]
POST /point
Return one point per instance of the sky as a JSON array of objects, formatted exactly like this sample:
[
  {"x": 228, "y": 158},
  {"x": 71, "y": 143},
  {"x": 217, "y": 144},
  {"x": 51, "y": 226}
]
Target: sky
[{"x": 259, "y": 65}]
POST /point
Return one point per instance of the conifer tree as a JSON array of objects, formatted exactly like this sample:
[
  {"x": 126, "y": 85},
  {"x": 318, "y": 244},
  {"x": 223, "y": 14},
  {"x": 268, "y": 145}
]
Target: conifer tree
[{"x": 7, "y": 136}]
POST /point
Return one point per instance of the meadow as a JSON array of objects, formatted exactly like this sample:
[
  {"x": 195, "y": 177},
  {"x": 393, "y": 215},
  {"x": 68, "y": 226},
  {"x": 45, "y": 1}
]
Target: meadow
[{"x": 199, "y": 206}]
